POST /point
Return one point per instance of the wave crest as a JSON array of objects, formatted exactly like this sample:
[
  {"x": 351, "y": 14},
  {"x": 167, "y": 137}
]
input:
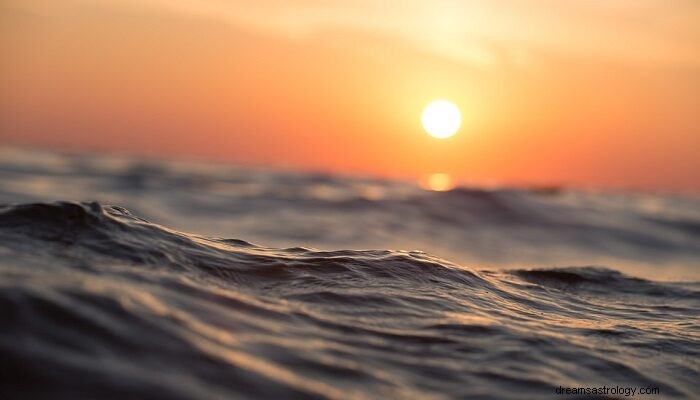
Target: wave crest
[{"x": 97, "y": 302}]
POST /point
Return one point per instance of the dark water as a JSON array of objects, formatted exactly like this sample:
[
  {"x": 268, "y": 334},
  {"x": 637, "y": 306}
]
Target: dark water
[{"x": 98, "y": 303}]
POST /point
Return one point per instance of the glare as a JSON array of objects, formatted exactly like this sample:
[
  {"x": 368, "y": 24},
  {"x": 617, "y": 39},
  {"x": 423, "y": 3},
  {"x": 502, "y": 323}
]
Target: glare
[
  {"x": 439, "y": 182},
  {"x": 441, "y": 119}
]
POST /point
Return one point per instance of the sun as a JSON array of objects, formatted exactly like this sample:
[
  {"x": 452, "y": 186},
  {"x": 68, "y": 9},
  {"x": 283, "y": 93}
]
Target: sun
[{"x": 441, "y": 119}]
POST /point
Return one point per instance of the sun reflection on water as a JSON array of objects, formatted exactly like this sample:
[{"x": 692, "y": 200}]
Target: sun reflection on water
[{"x": 439, "y": 182}]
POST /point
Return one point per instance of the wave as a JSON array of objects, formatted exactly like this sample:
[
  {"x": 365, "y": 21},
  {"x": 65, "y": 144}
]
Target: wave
[
  {"x": 96, "y": 302},
  {"x": 650, "y": 235}
]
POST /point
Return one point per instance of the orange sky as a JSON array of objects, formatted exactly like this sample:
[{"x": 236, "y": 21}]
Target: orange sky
[{"x": 591, "y": 93}]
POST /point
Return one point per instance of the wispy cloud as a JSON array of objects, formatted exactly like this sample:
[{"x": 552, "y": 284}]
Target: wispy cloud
[{"x": 646, "y": 32}]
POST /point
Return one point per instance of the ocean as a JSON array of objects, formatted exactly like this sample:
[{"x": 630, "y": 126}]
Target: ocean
[{"x": 134, "y": 278}]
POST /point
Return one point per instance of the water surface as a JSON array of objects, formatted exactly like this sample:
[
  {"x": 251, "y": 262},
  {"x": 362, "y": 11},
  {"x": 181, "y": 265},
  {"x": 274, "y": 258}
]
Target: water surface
[{"x": 122, "y": 278}]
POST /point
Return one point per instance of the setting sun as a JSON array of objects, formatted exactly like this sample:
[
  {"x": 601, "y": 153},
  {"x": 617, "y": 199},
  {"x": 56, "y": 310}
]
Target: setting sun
[
  {"x": 349, "y": 199},
  {"x": 441, "y": 119}
]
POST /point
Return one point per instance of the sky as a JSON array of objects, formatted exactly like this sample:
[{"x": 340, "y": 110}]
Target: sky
[{"x": 586, "y": 93}]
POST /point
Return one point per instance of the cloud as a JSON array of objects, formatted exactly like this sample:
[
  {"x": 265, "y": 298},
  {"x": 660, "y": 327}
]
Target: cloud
[{"x": 640, "y": 32}]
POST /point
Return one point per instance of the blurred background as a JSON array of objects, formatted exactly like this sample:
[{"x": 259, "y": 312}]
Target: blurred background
[
  {"x": 592, "y": 94},
  {"x": 298, "y": 123}
]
